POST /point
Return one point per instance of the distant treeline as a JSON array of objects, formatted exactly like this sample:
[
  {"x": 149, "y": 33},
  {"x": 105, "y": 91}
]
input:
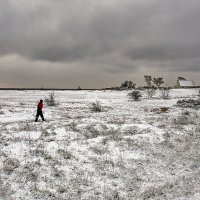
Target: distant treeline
[
  {"x": 21, "y": 89},
  {"x": 59, "y": 89}
]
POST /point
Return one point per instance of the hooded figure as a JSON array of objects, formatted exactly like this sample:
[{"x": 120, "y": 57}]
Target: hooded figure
[{"x": 39, "y": 111}]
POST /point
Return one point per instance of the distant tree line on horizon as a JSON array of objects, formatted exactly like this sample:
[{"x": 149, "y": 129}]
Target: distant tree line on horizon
[{"x": 151, "y": 82}]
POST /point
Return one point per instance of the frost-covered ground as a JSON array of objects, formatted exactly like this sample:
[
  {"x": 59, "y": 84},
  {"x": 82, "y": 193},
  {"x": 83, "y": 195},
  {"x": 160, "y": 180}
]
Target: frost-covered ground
[{"x": 130, "y": 150}]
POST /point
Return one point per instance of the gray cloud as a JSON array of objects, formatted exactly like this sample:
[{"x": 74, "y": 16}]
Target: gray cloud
[
  {"x": 103, "y": 37},
  {"x": 164, "y": 52}
]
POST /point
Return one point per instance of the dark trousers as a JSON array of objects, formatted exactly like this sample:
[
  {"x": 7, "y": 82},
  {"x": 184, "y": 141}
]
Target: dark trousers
[{"x": 39, "y": 113}]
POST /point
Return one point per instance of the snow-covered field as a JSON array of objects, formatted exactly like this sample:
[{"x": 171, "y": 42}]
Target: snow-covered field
[{"x": 130, "y": 150}]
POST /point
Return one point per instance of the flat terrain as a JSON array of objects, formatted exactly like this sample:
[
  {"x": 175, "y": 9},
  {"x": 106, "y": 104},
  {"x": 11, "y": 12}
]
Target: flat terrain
[{"x": 130, "y": 150}]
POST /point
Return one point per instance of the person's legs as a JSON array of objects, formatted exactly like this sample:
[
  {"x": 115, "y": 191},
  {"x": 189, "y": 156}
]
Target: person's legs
[
  {"x": 37, "y": 115},
  {"x": 41, "y": 115}
]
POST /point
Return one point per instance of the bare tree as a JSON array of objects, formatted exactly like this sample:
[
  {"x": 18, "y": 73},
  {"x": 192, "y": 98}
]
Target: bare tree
[{"x": 150, "y": 92}]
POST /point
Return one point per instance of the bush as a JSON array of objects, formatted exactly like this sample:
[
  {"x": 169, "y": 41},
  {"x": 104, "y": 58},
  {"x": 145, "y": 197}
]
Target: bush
[
  {"x": 189, "y": 103},
  {"x": 135, "y": 95},
  {"x": 96, "y": 107},
  {"x": 164, "y": 92},
  {"x": 183, "y": 120},
  {"x": 51, "y": 100},
  {"x": 150, "y": 92},
  {"x": 10, "y": 164},
  {"x": 127, "y": 85}
]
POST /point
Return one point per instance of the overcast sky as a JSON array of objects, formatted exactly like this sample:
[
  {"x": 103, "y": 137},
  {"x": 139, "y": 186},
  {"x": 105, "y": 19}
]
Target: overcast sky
[{"x": 97, "y": 43}]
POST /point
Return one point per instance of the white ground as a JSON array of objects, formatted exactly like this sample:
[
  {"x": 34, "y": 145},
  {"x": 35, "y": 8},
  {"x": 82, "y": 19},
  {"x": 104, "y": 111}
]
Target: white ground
[{"x": 130, "y": 150}]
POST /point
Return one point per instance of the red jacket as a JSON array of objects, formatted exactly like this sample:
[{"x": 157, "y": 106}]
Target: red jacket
[{"x": 40, "y": 105}]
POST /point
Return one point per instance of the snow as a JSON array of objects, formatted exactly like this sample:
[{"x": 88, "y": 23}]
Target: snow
[{"x": 130, "y": 150}]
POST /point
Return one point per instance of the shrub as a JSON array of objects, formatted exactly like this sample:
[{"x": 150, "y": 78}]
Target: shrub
[
  {"x": 135, "y": 95},
  {"x": 127, "y": 85},
  {"x": 96, "y": 107},
  {"x": 100, "y": 150},
  {"x": 183, "y": 120},
  {"x": 2, "y": 112},
  {"x": 164, "y": 92},
  {"x": 10, "y": 164},
  {"x": 66, "y": 154},
  {"x": 189, "y": 103},
  {"x": 51, "y": 100},
  {"x": 150, "y": 92},
  {"x": 25, "y": 127}
]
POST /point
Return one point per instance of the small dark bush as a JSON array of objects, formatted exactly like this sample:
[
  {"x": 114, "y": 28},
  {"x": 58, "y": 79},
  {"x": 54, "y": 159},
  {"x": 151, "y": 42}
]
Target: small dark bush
[
  {"x": 127, "y": 85},
  {"x": 96, "y": 107},
  {"x": 135, "y": 95},
  {"x": 189, "y": 103},
  {"x": 51, "y": 100}
]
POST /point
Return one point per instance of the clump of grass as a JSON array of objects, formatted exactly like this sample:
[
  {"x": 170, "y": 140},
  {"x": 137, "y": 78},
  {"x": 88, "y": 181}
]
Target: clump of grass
[
  {"x": 114, "y": 134},
  {"x": 5, "y": 190},
  {"x": 115, "y": 120},
  {"x": 73, "y": 125},
  {"x": 10, "y": 164},
  {"x": 183, "y": 120},
  {"x": 164, "y": 92},
  {"x": 26, "y": 127},
  {"x": 2, "y": 112},
  {"x": 91, "y": 131},
  {"x": 132, "y": 131},
  {"x": 99, "y": 150},
  {"x": 33, "y": 176},
  {"x": 66, "y": 154}
]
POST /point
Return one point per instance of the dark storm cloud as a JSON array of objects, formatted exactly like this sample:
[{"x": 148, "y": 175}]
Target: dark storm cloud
[
  {"x": 164, "y": 52},
  {"x": 112, "y": 35}
]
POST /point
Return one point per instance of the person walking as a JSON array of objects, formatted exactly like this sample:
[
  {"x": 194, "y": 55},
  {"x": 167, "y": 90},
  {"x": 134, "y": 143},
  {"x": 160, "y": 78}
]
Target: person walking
[{"x": 39, "y": 111}]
